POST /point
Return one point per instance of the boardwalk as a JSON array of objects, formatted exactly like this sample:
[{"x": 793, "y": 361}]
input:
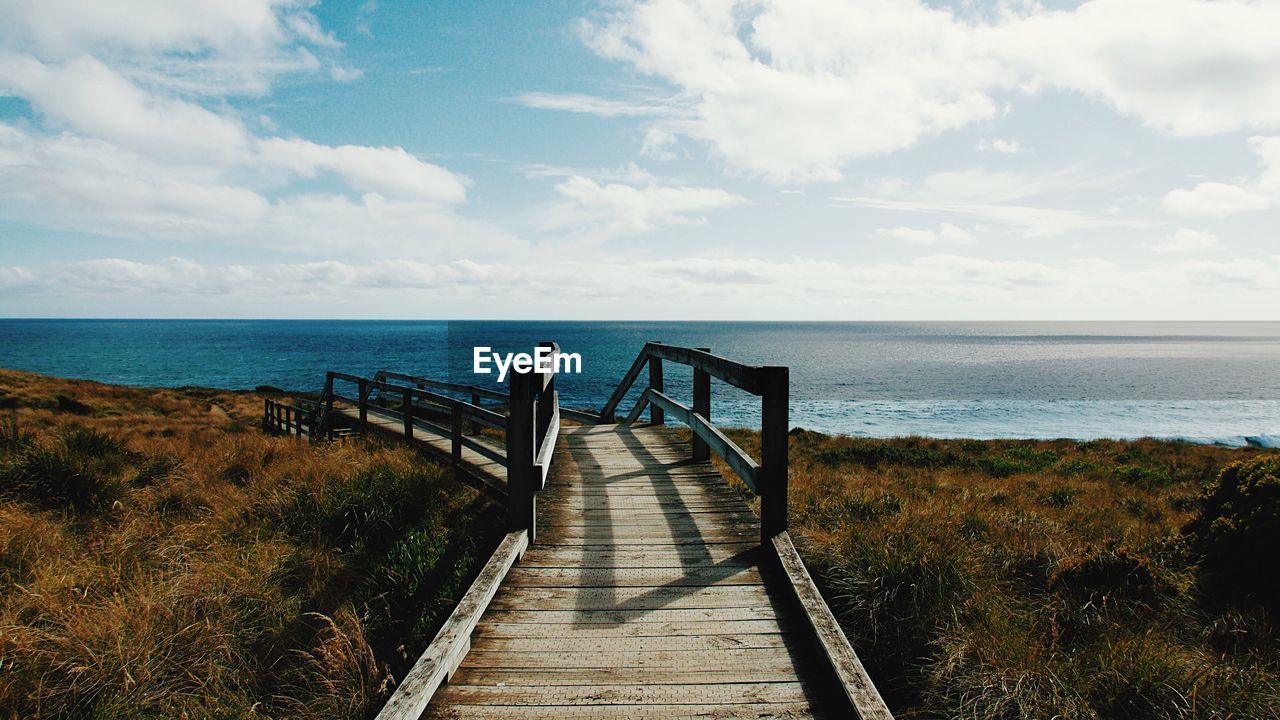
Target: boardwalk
[
  {"x": 644, "y": 596},
  {"x": 633, "y": 580}
]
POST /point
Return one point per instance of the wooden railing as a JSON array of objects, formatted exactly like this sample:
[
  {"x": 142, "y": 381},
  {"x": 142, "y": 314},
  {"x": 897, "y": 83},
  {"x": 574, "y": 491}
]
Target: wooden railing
[
  {"x": 528, "y": 430},
  {"x": 530, "y": 427},
  {"x": 418, "y": 409},
  {"x": 767, "y": 478},
  {"x": 279, "y": 418}
]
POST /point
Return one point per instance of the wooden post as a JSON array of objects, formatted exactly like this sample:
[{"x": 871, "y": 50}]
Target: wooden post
[
  {"x": 406, "y": 409},
  {"x": 475, "y": 400},
  {"x": 266, "y": 414},
  {"x": 455, "y": 432},
  {"x": 657, "y": 415},
  {"x": 521, "y": 506},
  {"x": 774, "y": 436},
  {"x": 328, "y": 400},
  {"x": 362, "y": 395},
  {"x": 701, "y": 406}
]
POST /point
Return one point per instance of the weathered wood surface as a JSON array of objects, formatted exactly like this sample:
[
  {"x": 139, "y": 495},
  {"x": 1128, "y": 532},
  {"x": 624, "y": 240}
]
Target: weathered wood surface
[{"x": 646, "y": 594}]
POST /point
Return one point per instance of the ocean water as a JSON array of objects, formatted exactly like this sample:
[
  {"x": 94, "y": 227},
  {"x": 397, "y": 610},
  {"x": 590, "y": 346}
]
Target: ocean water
[{"x": 1215, "y": 382}]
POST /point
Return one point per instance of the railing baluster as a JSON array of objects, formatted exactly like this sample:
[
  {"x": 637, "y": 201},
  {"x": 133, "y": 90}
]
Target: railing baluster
[
  {"x": 406, "y": 409},
  {"x": 327, "y": 413},
  {"x": 521, "y": 505},
  {"x": 774, "y": 436},
  {"x": 455, "y": 433},
  {"x": 701, "y": 406},
  {"x": 475, "y": 400},
  {"x": 656, "y": 414},
  {"x": 362, "y": 398}
]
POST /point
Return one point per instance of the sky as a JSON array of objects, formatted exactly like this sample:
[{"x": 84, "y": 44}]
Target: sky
[{"x": 648, "y": 159}]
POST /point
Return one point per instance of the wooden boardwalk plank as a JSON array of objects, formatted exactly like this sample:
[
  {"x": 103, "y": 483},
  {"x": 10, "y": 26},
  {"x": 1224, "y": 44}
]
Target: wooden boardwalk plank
[
  {"x": 643, "y": 596},
  {"x": 755, "y": 711}
]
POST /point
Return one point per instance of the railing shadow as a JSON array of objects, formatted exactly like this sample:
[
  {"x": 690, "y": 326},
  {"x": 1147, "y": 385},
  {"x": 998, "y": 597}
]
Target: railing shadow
[{"x": 694, "y": 552}]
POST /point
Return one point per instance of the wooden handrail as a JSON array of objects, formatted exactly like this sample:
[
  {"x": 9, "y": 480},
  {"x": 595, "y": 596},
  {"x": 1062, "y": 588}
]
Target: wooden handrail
[
  {"x": 737, "y": 458},
  {"x": 279, "y": 418},
  {"x": 767, "y": 478},
  {"x": 531, "y": 426},
  {"x": 442, "y": 657},
  {"x": 481, "y": 415},
  {"x": 422, "y": 382}
]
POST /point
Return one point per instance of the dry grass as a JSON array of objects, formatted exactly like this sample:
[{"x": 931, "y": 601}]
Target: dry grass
[
  {"x": 1012, "y": 579},
  {"x": 161, "y": 558}
]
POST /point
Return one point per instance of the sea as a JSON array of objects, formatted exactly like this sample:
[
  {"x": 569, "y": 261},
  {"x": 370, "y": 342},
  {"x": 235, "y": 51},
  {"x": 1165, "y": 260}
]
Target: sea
[{"x": 1214, "y": 382}]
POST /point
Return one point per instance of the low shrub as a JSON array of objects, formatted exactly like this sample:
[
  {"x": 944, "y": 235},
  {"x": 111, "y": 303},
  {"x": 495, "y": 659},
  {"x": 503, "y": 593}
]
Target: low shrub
[
  {"x": 363, "y": 510},
  {"x": 1058, "y": 497},
  {"x": 13, "y": 438},
  {"x": 1101, "y": 576},
  {"x": 1000, "y": 466},
  {"x": 1237, "y": 528},
  {"x": 79, "y": 471}
]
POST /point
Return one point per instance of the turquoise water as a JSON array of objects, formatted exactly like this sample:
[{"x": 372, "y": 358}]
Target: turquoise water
[{"x": 1206, "y": 381}]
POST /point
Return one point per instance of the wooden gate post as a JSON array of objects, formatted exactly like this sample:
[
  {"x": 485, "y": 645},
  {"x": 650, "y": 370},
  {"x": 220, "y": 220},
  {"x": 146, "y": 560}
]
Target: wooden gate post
[
  {"x": 363, "y": 397},
  {"x": 701, "y": 406},
  {"x": 266, "y": 415},
  {"x": 327, "y": 413},
  {"x": 406, "y": 409},
  {"x": 475, "y": 400},
  {"x": 774, "y": 436},
  {"x": 657, "y": 415},
  {"x": 521, "y": 505},
  {"x": 455, "y": 433}
]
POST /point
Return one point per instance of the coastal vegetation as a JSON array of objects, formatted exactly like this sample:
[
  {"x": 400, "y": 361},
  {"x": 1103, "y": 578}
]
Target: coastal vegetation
[
  {"x": 162, "y": 558},
  {"x": 1047, "y": 579}
]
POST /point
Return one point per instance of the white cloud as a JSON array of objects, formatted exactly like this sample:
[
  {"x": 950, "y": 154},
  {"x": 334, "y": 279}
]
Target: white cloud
[
  {"x": 115, "y": 155},
  {"x": 1184, "y": 240},
  {"x": 390, "y": 171},
  {"x": 345, "y": 74},
  {"x": 198, "y": 46},
  {"x": 793, "y": 91},
  {"x": 997, "y": 197},
  {"x": 946, "y": 234},
  {"x": 658, "y": 144},
  {"x": 602, "y": 210},
  {"x": 933, "y": 287},
  {"x": 1216, "y": 199},
  {"x": 84, "y": 95},
  {"x": 70, "y": 182},
  {"x": 1008, "y": 147},
  {"x": 592, "y": 105}
]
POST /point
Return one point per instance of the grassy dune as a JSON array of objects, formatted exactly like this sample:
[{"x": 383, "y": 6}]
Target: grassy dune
[
  {"x": 1012, "y": 579},
  {"x": 161, "y": 558}
]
